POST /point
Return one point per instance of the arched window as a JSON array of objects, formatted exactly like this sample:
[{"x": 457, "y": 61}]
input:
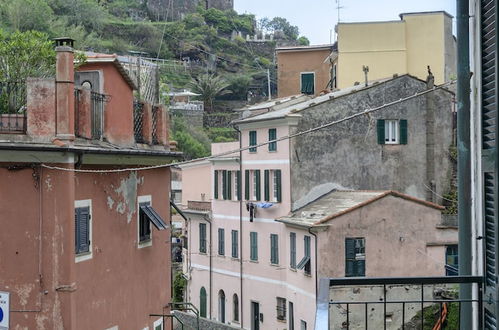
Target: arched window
[
  {"x": 235, "y": 308},
  {"x": 221, "y": 306},
  {"x": 202, "y": 302}
]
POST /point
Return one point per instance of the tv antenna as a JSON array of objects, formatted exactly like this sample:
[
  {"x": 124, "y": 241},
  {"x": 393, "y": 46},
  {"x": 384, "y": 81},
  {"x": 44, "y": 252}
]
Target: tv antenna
[{"x": 338, "y": 7}]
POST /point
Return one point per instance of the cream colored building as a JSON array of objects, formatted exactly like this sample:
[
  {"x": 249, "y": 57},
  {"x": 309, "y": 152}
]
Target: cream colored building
[{"x": 410, "y": 45}]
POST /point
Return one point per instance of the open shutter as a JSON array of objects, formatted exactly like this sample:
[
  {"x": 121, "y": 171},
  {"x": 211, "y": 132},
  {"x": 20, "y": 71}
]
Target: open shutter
[
  {"x": 247, "y": 185},
  {"x": 278, "y": 183},
  {"x": 380, "y": 129},
  {"x": 258, "y": 185},
  {"x": 229, "y": 185},
  {"x": 489, "y": 135},
  {"x": 350, "y": 257},
  {"x": 224, "y": 184},
  {"x": 266, "y": 187},
  {"x": 403, "y": 131},
  {"x": 238, "y": 173},
  {"x": 215, "y": 184}
]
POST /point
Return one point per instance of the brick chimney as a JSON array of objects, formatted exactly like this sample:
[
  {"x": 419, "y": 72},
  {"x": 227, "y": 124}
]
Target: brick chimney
[{"x": 65, "y": 113}]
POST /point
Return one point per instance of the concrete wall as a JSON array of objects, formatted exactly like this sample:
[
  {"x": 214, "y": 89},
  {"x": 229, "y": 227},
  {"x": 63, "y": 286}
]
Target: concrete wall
[
  {"x": 119, "y": 285},
  {"x": 401, "y": 239},
  {"x": 348, "y": 155},
  {"x": 290, "y": 64}
]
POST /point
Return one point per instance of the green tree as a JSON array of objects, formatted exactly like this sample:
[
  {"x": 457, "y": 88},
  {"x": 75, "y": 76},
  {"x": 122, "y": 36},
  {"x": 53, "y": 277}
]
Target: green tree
[
  {"x": 303, "y": 41},
  {"x": 279, "y": 24},
  {"x": 27, "y": 15},
  {"x": 209, "y": 86}
]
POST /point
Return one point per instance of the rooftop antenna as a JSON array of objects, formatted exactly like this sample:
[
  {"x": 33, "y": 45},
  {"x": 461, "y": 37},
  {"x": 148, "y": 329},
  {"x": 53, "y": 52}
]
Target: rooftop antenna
[
  {"x": 338, "y": 8},
  {"x": 365, "y": 68}
]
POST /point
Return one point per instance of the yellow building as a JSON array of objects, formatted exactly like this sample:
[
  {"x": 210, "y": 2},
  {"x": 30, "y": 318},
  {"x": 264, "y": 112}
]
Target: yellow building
[{"x": 410, "y": 45}]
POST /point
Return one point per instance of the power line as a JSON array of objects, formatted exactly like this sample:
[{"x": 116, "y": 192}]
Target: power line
[{"x": 287, "y": 137}]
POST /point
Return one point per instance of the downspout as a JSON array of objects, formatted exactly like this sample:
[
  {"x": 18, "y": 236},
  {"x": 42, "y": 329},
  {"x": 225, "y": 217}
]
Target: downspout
[
  {"x": 240, "y": 192},
  {"x": 211, "y": 265},
  {"x": 464, "y": 163},
  {"x": 315, "y": 265}
]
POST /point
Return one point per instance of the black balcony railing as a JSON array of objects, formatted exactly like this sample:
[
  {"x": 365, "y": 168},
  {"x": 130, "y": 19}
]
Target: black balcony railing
[
  {"x": 97, "y": 104},
  {"x": 138, "y": 121},
  {"x": 12, "y": 107},
  {"x": 154, "y": 128},
  {"x": 404, "y": 303}
]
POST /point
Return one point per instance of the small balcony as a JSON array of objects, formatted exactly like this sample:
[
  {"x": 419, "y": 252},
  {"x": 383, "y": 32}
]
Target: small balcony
[
  {"x": 12, "y": 107},
  {"x": 199, "y": 205},
  {"x": 92, "y": 105},
  {"x": 406, "y": 303}
]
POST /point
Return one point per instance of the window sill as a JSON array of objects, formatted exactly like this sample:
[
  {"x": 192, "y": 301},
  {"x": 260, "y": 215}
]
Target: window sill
[
  {"x": 307, "y": 274},
  {"x": 274, "y": 265},
  {"x": 83, "y": 256},
  {"x": 254, "y": 261},
  {"x": 293, "y": 269},
  {"x": 203, "y": 253},
  {"x": 145, "y": 243},
  {"x": 234, "y": 258},
  {"x": 281, "y": 321},
  {"x": 221, "y": 256}
]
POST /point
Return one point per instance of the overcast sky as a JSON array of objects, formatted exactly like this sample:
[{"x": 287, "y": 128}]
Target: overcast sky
[{"x": 316, "y": 18}]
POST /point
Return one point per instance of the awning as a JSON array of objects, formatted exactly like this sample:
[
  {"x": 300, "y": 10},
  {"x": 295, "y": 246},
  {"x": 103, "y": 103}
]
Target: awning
[
  {"x": 154, "y": 217},
  {"x": 303, "y": 262}
]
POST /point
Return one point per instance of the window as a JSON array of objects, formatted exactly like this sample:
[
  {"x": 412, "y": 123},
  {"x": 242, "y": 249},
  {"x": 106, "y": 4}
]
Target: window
[
  {"x": 291, "y": 317},
  {"x": 305, "y": 263},
  {"x": 451, "y": 261},
  {"x": 355, "y": 256},
  {"x": 272, "y": 179},
  {"x": 307, "y": 83},
  {"x": 256, "y": 185},
  {"x": 158, "y": 324},
  {"x": 253, "y": 246},
  {"x": 215, "y": 184},
  {"x": 235, "y": 308},
  {"x": 303, "y": 325},
  {"x": 292, "y": 250},
  {"x": 392, "y": 131},
  {"x": 237, "y": 185},
  {"x": 333, "y": 77},
  {"x": 277, "y": 186},
  {"x": 83, "y": 230},
  {"x": 274, "y": 249},
  {"x": 247, "y": 185},
  {"x": 272, "y": 136},
  {"x": 281, "y": 309},
  {"x": 221, "y": 306},
  {"x": 252, "y": 140},
  {"x": 221, "y": 241},
  {"x": 202, "y": 302},
  {"x": 235, "y": 243},
  {"x": 144, "y": 225},
  {"x": 202, "y": 238}
]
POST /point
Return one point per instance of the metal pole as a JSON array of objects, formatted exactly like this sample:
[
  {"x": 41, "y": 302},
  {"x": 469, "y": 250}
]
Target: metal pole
[
  {"x": 464, "y": 163},
  {"x": 268, "y": 84}
]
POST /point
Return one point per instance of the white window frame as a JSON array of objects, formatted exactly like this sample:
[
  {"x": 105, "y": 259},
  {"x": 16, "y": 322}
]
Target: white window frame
[
  {"x": 86, "y": 255},
  {"x": 253, "y": 185},
  {"x": 274, "y": 186},
  {"x": 392, "y": 131},
  {"x": 143, "y": 199},
  {"x": 158, "y": 322}
]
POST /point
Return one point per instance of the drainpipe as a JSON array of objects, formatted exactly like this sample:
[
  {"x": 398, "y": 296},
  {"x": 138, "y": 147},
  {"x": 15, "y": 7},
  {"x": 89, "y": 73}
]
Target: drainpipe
[
  {"x": 464, "y": 163},
  {"x": 315, "y": 265},
  {"x": 211, "y": 265},
  {"x": 240, "y": 227}
]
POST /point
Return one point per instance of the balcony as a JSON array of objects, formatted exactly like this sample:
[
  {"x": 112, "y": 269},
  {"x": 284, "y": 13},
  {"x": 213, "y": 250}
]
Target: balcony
[
  {"x": 12, "y": 107},
  {"x": 394, "y": 303},
  {"x": 199, "y": 205},
  {"x": 187, "y": 106}
]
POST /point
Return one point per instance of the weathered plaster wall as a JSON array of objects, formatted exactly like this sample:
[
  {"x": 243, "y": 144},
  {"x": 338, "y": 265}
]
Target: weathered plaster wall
[{"x": 348, "y": 155}]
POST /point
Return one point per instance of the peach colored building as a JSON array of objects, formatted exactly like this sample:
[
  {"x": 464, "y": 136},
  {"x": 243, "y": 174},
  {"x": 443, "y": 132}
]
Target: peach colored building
[{"x": 82, "y": 249}]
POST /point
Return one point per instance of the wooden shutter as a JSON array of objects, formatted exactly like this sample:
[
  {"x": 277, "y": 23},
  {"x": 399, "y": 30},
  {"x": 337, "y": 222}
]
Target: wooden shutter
[
  {"x": 489, "y": 135},
  {"x": 215, "y": 184},
  {"x": 252, "y": 140},
  {"x": 266, "y": 187},
  {"x": 350, "y": 257},
  {"x": 235, "y": 244},
  {"x": 253, "y": 246},
  {"x": 221, "y": 241},
  {"x": 202, "y": 237},
  {"x": 403, "y": 131},
  {"x": 247, "y": 185},
  {"x": 307, "y": 83},
  {"x": 258, "y": 185},
  {"x": 278, "y": 183},
  {"x": 272, "y": 136},
  {"x": 82, "y": 229},
  {"x": 229, "y": 185},
  {"x": 224, "y": 184},
  {"x": 292, "y": 250},
  {"x": 202, "y": 302},
  {"x": 239, "y": 185},
  {"x": 381, "y": 131}
]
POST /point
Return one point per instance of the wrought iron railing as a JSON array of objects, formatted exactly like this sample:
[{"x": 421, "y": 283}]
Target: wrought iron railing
[
  {"x": 395, "y": 303},
  {"x": 154, "y": 129},
  {"x": 97, "y": 103},
  {"x": 12, "y": 107},
  {"x": 138, "y": 121}
]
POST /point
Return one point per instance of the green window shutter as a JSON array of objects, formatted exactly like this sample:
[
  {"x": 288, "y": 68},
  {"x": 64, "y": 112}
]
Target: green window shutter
[
  {"x": 221, "y": 241},
  {"x": 381, "y": 131},
  {"x": 202, "y": 302},
  {"x": 350, "y": 265},
  {"x": 247, "y": 185},
  {"x": 258, "y": 188},
  {"x": 224, "y": 184},
  {"x": 274, "y": 249},
  {"x": 278, "y": 183},
  {"x": 292, "y": 250},
  {"x": 238, "y": 173},
  {"x": 307, "y": 83},
  {"x": 253, "y": 246},
  {"x": 272, "y": 136},
  {"x": 235, "y": 244},
  {"x": 403, "y": 131},
  {"x": 229, "y": 184},
  {"x": 252, "y": 140},
  {"x": 216, "y": 184},
  {"x": 202, "y": 237},
  {"x": 266, "y": 187}
]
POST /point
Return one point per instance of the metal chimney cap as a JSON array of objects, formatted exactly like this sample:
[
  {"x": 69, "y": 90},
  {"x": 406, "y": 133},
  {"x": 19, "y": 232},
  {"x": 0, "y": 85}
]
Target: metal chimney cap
[{"x": 64, "y": 41}]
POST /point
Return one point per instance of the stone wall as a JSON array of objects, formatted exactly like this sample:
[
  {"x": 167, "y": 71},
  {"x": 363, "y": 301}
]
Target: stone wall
[{"x": 190, "y": 323}]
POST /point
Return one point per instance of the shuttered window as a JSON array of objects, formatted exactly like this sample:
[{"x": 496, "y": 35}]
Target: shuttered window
[
  {"x": 229, "y": 185},
  {"x": 247, "y": 185},
  {"x": 256, "y": 185},
  {"x": 215, "y": 184},
  {"x": 202, "y": 302},
  {"x": 202, "y": 237},
  {"x": 307, "y": 83},
  {"x": 274, "y": 249},
  {"x": 238, "y": 185},
  {"x": 221, "y": 241},
  {"x": 391, "y": 131},
  {"x": 277, "y": 186},
  {"x": 144, "y": 224},
  {"x": 235, "y": 243},
  {"x": 266, "y": 185},
  {"x": 272, "y": 136},
  {"x": 82, "y": 230},
  {"x": 292, "y": 250},
  {"x": 355, "y": 255},
  {"x": 253, "y": 246},
  {"x": 252, "y": 140},
  {"x": 224, "y": 184}
]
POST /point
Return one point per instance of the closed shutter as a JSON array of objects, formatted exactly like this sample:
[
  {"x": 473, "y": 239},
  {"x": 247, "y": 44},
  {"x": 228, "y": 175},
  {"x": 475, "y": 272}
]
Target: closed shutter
[
  {"x": 202, "y": 237},
  {"x": 292, "y": 250},
  {"x": 215, "y": 184},
  {"x": 307, "y": 83},
  {"x": 350, "y": 257},
  {"x": 247, "y": 185},
  {"x": 276, "y": 249},
  {"x": 82, "y": 229},
  {"x": 252, "y": 140},
  {"x": 224, "y": 184},
  {"x": 253, "y": 246},
  {"x": 235, "y": 244},
  {"x": 258, "y": 185},
  {"x": 490, "y": 163},
  {"x": 272, "y": 136},
  {"x": 380, "y": 129},
  {"x": 403, "y": 131},
  {"x": 238, "y": 187},
  {"x": 229, "y": 185},
  {"x": 278, "y": 183},
  {"x": 266, "y": 187},
  {"x": 202, "y": 302}
]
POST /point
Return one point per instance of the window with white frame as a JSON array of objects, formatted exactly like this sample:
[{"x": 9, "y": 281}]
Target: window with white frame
[
  {"x": 281, "y": 309},
  {"x": 83, "y": 230},
  {"x": 143, "y": 223},
  {"x": 256, "y": 185},
  {"x": 158, "y": 324},
  {"x": 391, "y": 131}
]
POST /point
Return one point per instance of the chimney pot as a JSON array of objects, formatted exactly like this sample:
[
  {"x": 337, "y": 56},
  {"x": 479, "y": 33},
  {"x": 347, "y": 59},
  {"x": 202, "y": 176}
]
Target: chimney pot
[{"x": 64, "y": 41}]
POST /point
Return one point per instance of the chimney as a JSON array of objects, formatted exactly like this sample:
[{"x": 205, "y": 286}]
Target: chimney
[{"x": 64, "y": 80}]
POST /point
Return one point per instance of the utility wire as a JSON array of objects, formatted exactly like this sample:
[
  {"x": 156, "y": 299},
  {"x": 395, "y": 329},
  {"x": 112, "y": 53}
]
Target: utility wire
[{"x": 287, "y": 137}]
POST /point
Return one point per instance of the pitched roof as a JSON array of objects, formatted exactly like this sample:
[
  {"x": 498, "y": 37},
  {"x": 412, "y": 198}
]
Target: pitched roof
[
  {"x": 338, "y": 203},
  {"x": 111, "y": 58}
]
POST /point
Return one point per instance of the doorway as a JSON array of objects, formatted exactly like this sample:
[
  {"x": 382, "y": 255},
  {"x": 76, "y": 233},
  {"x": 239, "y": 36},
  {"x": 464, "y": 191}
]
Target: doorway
[{"x": 255, "y": 316}]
